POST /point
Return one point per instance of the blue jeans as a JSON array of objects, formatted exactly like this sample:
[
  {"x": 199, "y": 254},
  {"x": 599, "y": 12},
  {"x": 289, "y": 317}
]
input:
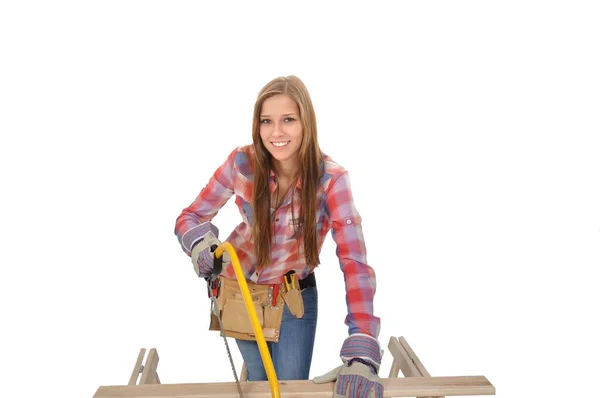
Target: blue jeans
[{"x": 292, "y": 355}]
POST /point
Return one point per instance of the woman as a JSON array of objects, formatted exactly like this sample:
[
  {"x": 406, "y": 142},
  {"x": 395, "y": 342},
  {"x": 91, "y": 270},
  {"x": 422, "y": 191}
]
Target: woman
[{"x": 290, "y": 195}]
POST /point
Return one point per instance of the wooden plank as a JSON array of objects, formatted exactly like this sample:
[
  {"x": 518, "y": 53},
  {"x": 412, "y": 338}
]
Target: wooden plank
[
  {"x": 393, "y": 387},
  {"x": 137, "y": 369},
  {"x": 401, "y": 356},
  {"x": 395, "y": 369},
  {"x": 149, "y": 375},
  {"x": 412, "y": 357}
]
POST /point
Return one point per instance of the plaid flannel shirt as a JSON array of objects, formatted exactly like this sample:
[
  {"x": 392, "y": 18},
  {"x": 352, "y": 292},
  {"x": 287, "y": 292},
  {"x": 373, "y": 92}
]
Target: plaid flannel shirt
[{"x": 336, "y": 212}]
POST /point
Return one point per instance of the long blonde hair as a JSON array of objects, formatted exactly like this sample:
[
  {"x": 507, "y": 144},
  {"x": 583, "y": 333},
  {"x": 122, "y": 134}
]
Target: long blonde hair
[{"x": 310, "y": 158}]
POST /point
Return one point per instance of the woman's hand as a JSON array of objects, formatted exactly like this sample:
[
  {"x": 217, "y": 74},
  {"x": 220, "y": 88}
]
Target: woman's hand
[
  {"x": 357, "y": 377},
  {"x": 356, "y": 380},
  {"x": 203, "y": 255}
]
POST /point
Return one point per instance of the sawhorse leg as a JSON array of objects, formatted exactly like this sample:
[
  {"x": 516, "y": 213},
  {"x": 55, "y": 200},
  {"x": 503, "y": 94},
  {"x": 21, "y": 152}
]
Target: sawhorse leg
[
  {"x": 148, "y": 371},
  {"x": 406, "y": 360}
]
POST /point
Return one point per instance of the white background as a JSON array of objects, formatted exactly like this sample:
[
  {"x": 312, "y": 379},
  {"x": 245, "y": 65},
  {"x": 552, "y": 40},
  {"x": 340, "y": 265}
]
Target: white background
[{"x": 469, "y": 128}]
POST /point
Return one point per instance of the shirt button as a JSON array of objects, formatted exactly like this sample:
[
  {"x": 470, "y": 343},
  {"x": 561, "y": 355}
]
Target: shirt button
[{"x": 348, "y": 221}]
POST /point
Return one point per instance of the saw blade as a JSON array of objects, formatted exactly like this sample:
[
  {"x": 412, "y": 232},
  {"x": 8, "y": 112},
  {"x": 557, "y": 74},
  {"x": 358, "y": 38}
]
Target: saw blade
[{"x": 216, "y": 311}]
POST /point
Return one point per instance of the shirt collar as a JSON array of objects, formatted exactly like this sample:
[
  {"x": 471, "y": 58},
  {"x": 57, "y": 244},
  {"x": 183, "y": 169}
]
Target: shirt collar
[{"x": 273, "y": 178}]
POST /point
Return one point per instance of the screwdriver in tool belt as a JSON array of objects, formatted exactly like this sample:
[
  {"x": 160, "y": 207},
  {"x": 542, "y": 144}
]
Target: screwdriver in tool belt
[{"x": 289, "y": 284}]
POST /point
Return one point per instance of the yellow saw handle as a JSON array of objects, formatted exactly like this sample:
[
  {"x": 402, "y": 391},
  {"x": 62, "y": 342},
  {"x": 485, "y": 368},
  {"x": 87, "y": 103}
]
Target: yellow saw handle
[{"x": 260, "y": 337}]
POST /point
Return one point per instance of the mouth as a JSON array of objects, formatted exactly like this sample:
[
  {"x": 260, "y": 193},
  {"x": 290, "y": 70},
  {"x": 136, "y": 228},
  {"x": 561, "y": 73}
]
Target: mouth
[{"x": 280, "y": 144}]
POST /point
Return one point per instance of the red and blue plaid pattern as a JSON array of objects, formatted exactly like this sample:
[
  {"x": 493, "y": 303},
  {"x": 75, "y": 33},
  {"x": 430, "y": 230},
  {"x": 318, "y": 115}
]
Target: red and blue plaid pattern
[
  {"x": 336, "y": 213},
  {"x": 357, "y": 386},
  {"x": 364, "y": 347}
]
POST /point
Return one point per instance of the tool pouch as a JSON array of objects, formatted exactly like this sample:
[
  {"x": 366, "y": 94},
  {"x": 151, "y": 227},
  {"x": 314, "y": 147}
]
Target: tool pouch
[
  {"x": 294, "y": 301},
  {"x": 234, "y": 314}
]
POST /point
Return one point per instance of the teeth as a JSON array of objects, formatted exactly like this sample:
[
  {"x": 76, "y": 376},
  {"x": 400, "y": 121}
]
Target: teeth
[{"x": 280, "y": 144}]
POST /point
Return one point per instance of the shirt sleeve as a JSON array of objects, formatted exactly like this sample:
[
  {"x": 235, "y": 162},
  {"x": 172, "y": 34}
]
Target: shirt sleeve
[
  {"x": 220, "y": 187},
  {"x": 359, "y": 277}
]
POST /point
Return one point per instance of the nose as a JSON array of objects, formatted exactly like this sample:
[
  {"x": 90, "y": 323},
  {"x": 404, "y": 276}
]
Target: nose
[{"x": 277, "y": 129}]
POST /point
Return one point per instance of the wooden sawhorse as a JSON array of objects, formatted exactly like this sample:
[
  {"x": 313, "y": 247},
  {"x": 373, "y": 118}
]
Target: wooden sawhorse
[{"x": 416, "y": 382}]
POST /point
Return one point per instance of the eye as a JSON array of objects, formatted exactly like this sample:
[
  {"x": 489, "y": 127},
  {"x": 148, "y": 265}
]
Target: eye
[
  {"x": 289, "y": 119},
  {"x": 265, "y": 121}
]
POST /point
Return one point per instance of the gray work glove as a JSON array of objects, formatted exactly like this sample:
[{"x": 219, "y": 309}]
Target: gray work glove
[
  {"x": 357, "y": 377},
  {"x": 203, "y": 256},
  {"x": 356, "y": 380}
]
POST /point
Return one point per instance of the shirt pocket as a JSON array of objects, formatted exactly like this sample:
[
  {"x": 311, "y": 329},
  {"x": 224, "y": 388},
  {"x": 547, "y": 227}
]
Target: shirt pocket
[{"x": 293, "y": 228}]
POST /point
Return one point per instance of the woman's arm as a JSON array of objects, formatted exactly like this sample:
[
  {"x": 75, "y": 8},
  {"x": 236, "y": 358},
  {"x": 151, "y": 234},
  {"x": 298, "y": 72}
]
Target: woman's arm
[
  {"x": 363, "y": 325},
  {"x": 194, "y": 220}
]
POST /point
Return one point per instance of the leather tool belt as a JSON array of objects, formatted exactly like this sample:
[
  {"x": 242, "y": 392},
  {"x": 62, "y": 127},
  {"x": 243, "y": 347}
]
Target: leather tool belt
[{"x": 268, "y": 302}]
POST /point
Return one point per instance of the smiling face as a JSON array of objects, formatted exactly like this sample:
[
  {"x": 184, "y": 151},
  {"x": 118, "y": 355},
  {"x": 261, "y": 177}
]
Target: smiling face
[{"x": 281, "y": 131}]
